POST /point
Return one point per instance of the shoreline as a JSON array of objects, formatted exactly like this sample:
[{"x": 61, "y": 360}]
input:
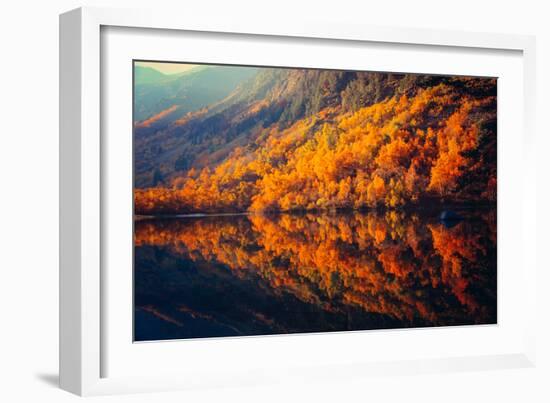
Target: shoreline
[{"x": 438, "y": 208}]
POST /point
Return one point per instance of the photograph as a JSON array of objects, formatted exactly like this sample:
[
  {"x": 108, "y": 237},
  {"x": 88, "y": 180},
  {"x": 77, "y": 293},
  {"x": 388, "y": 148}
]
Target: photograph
[{"x": 283, "y": 200}]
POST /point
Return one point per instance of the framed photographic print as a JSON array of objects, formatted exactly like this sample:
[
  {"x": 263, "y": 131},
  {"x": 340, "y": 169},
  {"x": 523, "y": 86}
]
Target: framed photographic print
[
  {"x": 235, "y": 200},
  {"x": 284, "y": 200}
]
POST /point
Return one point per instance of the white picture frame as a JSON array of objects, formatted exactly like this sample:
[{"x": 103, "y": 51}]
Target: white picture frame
[{"x": 82, "y": 173}]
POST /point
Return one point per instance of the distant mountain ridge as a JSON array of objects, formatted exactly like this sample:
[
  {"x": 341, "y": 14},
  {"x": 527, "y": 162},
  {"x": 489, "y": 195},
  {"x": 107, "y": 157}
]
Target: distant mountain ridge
[
  {"x": 147, "y": 75},
  {"x": 155, "y": 92}
]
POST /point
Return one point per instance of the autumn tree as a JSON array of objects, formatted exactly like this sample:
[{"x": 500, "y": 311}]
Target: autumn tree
[{"x": 436, "y": 142}]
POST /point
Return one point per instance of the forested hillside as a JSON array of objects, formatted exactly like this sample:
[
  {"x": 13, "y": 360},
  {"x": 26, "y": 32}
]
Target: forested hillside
[{"x": 295, "y": 139}]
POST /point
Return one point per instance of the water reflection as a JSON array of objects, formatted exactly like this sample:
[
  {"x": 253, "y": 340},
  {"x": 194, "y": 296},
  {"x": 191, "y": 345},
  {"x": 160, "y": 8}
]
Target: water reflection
[{"x": 249, "y": 275}]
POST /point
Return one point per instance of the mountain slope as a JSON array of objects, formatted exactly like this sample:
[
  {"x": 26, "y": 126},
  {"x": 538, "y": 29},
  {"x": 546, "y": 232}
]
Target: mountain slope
[
  {"x": 204, "y": 137},
  {"x": 155, "y": 92},
  {"x": 147, "y": 75},
  {"x": 309, "y": 139}
]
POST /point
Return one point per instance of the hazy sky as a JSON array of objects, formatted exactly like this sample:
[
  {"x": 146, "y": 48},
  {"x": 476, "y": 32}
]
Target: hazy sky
[{"x": 167, "y": 68}]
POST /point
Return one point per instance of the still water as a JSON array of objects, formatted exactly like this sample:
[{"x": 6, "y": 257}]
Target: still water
[{"x": 273, "y": 274}]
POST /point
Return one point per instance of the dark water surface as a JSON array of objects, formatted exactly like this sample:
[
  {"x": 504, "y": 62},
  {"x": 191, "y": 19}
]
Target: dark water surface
[{"x": 255, "y": 275}]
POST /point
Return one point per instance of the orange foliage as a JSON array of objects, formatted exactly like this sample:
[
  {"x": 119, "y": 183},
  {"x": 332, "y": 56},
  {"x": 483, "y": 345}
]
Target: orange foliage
[
  {"x": 388, "y": 264},
  {"x": 392, "y": 153}
]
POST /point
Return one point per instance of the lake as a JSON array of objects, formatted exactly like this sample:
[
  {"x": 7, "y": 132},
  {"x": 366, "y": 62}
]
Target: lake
[{"x": 239, "y": 275}]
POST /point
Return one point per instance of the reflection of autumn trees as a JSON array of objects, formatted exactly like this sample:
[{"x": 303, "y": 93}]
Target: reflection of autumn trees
[
  {"x": 388, "y": 264},
  {"x": 437, "y": 143}
]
